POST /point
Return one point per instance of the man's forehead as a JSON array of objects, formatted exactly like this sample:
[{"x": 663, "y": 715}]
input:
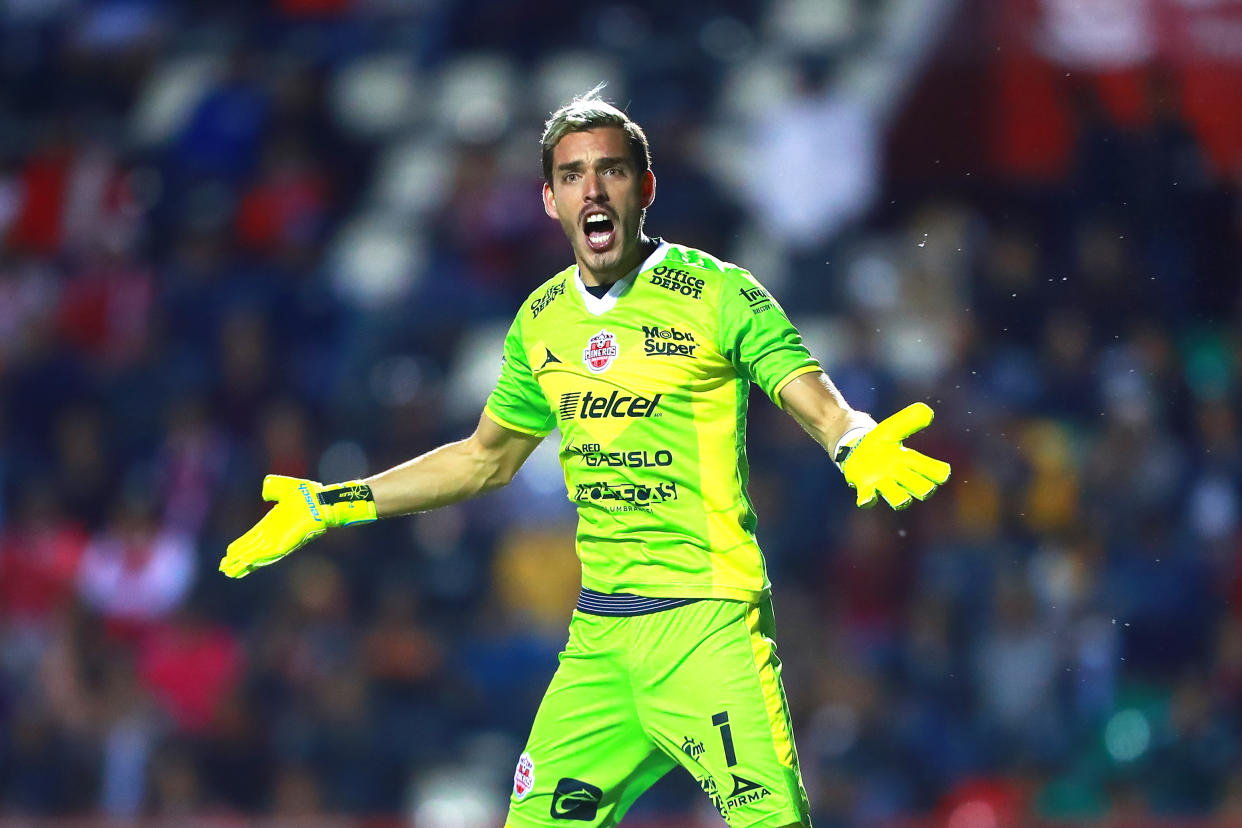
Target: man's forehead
[{"x": 580, "y": 146}]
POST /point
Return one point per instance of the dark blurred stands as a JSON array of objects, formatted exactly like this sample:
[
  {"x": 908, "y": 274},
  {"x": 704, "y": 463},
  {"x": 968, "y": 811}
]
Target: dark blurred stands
[{"x": 240, "y": 238}]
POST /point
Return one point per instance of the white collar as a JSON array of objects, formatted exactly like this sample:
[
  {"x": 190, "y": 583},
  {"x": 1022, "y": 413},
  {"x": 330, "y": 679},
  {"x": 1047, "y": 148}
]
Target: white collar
[{"x": 599, "y": 305}]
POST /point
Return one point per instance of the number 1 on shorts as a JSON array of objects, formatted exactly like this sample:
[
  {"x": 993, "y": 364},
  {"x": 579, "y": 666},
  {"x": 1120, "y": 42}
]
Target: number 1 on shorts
[{"x": 721, "y": 720}]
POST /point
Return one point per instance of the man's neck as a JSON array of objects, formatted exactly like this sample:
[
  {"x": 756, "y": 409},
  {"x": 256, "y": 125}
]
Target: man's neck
[{"x": 642, "y": 250}]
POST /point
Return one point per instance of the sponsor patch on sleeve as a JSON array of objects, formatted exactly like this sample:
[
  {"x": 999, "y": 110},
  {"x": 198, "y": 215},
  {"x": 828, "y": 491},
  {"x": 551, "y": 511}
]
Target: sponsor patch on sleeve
[{"x": 524, "y": 776}]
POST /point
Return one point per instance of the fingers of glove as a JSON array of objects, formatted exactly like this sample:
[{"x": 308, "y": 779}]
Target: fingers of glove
[
  {"x": 263, "y": 559},
  {"x": 244, "y": 555},
  {"x": 929, "y": 467},
  {"x": 234, "y": 567},
  {"x": 241, "y": 560},
  {"x": 915, "y": 483},
  {"x": 240, "y": 567},
  {"x": 264, "y": 536},
  {"x": 277, "y": 486},
  {"x": 905, "y": 422},
  {"x": 243, "y": 546},
  {"x": 239, "y": 557},
  {"x": 894, "y": 494},
  {"x": 866, "y": 496}
]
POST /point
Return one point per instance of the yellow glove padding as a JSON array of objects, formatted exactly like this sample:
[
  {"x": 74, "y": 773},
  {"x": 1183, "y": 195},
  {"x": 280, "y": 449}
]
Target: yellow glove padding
[
  {"x": 304, "y": 510},
  {"x": 879, "y": 463}
]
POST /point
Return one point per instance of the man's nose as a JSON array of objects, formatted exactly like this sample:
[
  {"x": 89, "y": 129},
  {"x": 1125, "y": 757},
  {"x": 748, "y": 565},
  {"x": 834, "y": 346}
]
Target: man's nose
[{"x": 594, "y": 188}]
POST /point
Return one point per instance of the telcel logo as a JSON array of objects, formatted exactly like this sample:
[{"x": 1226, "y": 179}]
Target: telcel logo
[{"x": 587, "y": 406}]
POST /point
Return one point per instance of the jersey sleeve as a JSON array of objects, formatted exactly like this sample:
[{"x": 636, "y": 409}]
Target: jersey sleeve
[
  {"x": 517, "y": 402},
  {"x": 757, "y": 336}
]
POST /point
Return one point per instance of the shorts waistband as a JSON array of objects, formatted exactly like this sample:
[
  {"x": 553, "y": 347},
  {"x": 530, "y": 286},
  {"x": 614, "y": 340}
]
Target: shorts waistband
[{"x": 620, "y": 604}]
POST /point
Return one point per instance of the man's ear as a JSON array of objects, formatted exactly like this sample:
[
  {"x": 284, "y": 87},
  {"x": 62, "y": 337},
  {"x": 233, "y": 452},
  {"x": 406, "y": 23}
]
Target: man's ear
[
  {"x": 649, "y": 188},
  {"x": 549, "y": 201}
]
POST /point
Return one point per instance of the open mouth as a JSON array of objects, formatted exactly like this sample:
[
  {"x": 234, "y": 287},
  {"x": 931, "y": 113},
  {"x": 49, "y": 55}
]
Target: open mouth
[{"x": 600, "y": 232}]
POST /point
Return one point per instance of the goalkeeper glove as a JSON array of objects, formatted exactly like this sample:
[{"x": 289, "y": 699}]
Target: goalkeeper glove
[
  {"x": 304, "y": 510},
  {"x": 874, "y": 460}
]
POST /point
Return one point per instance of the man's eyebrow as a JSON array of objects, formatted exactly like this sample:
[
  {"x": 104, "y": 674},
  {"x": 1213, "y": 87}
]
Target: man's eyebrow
[
  {"x": 606, "y": 161},
  {"x": 611, "y": 161}
]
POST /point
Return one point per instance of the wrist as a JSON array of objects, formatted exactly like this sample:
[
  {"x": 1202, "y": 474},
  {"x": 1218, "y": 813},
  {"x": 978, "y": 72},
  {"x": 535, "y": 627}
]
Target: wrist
[
  {"x": 348, "y": 503},
  {"x": 846, "y": 443}
]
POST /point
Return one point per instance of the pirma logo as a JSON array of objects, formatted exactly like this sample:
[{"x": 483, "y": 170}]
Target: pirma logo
[
  {"x": 524, "y": 776},
  {"x": 600, "y": 351},
  {"x": 745, "y": 792},
  {"x": 548, "y": 359},
  {"x": 575, "y": 799}
]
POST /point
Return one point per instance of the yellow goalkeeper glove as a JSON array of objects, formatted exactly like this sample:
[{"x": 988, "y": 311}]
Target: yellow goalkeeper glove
[
  {"x": 874, "y": 461},
  {"x": 304, "y": 510}
]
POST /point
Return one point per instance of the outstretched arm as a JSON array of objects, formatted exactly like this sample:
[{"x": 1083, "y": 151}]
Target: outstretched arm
[
  {"x": 819, "y": 408},
  {"x": 485, "y": 460},
  {"x": 305, "y": 509},
  {"x": 870, "y": 455}
]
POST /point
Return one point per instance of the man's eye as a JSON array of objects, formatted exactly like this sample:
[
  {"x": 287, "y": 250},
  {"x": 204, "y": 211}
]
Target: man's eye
[
  {"x": 612, "y": 171},
  {"x": 571, "y": 178}
]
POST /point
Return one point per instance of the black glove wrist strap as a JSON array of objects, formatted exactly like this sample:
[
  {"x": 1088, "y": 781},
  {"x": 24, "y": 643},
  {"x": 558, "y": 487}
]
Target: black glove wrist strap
[{"x": 345, "y": 493}]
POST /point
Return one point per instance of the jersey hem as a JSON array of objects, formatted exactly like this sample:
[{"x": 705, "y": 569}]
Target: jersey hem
[
  {"x": 777, "y": 819},
  {"x": 790, "y": 377},
  {"x": 501, "y": 421},
  {"x": 718, "y": 591}
]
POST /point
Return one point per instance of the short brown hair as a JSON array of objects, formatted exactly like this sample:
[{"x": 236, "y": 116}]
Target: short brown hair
[{"x": 591, "y": 111}]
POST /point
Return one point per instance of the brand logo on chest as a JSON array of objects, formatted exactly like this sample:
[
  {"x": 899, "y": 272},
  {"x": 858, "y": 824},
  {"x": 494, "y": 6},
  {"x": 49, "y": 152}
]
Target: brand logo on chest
[
  {"x": 659, "y": 341},
  {"x": 600, "y": 351}
]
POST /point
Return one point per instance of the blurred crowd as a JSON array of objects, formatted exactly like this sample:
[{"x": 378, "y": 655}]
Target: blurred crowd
[{"x": 242, "y": 238}]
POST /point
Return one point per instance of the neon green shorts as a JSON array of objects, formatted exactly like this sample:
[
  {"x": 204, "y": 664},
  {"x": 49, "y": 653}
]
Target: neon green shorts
[{"x": 697, "y": 686}]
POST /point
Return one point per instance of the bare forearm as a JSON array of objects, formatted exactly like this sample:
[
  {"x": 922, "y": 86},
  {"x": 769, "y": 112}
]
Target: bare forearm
[
  {"x": 821, "y": 410},
  {"x": 304, "y": 509},
  {"x": 485, "y": 460},
  {"x": 451, "y": 473}
]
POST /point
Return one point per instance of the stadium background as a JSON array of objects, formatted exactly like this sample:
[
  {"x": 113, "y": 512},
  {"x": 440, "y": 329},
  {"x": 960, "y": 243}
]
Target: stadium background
[{"x": 246, "y": 237}]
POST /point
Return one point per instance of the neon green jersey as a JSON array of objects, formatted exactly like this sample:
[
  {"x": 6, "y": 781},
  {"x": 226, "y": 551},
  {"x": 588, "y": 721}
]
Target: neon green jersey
[{"x": 648, "y": 386}]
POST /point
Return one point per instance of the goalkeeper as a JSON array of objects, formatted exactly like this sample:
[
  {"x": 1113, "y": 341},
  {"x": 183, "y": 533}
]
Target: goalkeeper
[{"x": 641, "y": 355}]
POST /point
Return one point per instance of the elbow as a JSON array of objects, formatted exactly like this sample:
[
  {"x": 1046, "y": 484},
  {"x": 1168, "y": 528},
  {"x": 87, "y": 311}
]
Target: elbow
[
  {"x": 496, "y": 454},
  {"x": 498, "y": 477},
  {"x": 493, "y": 469}
]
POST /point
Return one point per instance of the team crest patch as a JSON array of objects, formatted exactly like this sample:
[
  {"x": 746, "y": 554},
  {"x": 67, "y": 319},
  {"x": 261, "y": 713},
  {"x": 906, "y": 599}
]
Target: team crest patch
[
  {"x": 600, "y": 351},
  {"x": 524, "y": 776}
]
